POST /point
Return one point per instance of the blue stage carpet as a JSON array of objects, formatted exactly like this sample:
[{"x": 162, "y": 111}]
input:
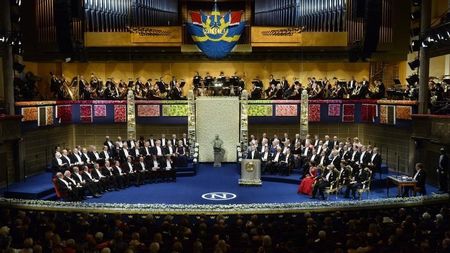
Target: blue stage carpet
[{"x": 189, "y": 190}]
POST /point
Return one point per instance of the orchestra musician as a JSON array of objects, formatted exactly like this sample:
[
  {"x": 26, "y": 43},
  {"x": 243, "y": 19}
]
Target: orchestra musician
[{"x": 196, "y": 81}]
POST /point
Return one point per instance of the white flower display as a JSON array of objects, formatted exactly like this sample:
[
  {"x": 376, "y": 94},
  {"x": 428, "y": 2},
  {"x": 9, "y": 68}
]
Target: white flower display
[{"x": 269, "y": 208}]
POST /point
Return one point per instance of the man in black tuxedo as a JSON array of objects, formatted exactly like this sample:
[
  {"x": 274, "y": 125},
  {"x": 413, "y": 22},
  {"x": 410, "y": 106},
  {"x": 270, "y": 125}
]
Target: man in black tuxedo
[
  {"x": 135, "y": 152},
  {"x": 85, "y": 157},
  {"x": 58, "y": 165},
  {"x": 168, "y": 172},
  {"x": 170, "y": 149},
  {"x": 420, "y": 177},
  {"x": 163, "y": 140},
  {"x": 361, "y": 179},
  {"x": 108, "y": 143},
  {"x": 174, "y": 140},
  {"x": 364, "y": 90},
  {"x": 141, "y": 168},
  {"x": 133, "y": 176},
  {"x": 146, "y": 149},
  {"x": 185, "y": 140},
  {"x": 105, "y": 155},
  {"x": 265, "y": 159},
  {"x": 107, "y": 183},
  {"x": 316, "y": 141},
  {"x": 335, "y": 159},
  {"x": 122, "y": 178},
  {"x": 108, "y": 172},
  {"x": 90, "y": 185},
  {"x": 157, "y": 150},
  {"x": 364, "y": 158},
  {"x": 78, "y": 190},
  {"x": 328, "y": 142},
  {"x": 323, "y": 159},
  {"x": 442, "y": 171},
  {"x": 275, "y": 161},
  {"x": 66, "y": 188},
  {"x": 354, "y": 159},
  {"x": 324, "y": 181},
  {"x": 93, "y": 155},
  {"x": 347, "y": 153},
  {"x": 351, "y": 85},
  {"x": 287, "y": 163},
  {"x": 146, "y": 152},
  {"x": 123, "y": 152},
  {"x": 89, "y": 178},
  {"x": 334, "y": 143},
  {"x": 152, "y": 141},
  {"x": 75, "y": 157},
  {"x": 253, "y": 154},
  {"x": 375, "y": 161}
]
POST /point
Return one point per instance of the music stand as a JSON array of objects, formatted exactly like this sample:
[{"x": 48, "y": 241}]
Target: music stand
[{"x": 182, "y": 83}]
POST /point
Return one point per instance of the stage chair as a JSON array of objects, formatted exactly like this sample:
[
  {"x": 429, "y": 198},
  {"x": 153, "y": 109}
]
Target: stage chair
[
  {"x": 366, "y": 187},
  {"x": 58, "y": 193},
  {"x": 334, "y": 188}
]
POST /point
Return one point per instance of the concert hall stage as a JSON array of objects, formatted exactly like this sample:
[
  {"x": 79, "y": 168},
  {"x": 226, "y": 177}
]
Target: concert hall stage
[{"x": 197, "y": 189}]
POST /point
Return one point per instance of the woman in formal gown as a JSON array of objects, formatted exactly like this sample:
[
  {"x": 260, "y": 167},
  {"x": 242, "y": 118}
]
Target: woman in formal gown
[{"x": 307, "y": 184}]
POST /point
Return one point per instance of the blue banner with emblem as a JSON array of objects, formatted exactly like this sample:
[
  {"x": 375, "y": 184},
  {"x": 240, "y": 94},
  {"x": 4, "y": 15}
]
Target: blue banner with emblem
[{"x": 216, "y": 34}]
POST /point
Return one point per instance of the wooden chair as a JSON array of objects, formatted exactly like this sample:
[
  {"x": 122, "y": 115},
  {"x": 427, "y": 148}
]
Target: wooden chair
[
  {"x": 333, "y": 188},
  {"x": 366, "y": 187}
]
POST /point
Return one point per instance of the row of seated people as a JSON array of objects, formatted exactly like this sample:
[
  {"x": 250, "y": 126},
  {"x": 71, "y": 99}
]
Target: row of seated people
[
  {"x": 409, "y": 229},
  {"x": 177, "y": 149},
  {"x": 81, "y": 89},
  {"x": 75, "y": 185},
  {"x": 283, "y": 154},
  {"x": 95, "y": 88},
  {"x": 319, "y": 178},
  {"x": 318, "y": 89},
  {"x": 353, "y": 179}
]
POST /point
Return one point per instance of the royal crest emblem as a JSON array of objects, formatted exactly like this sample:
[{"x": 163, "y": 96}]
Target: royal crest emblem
[{"x": 216, "y": 34}]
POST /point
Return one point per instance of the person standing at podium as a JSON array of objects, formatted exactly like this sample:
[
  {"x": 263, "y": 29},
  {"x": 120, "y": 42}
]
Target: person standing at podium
[{"x": 218, "y": 151}]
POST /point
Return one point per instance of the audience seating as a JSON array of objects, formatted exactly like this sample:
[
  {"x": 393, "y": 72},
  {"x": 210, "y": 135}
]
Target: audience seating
[{"x": 423, "y": 228}]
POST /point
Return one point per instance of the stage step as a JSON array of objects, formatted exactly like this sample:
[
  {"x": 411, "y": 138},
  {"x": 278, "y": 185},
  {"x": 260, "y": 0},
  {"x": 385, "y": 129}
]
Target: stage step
[
  {"x": 186, "y": 173},
  {"x": 51, "y": 196}
]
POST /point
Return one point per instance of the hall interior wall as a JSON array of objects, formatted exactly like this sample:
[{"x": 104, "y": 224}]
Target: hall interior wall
[{"x": 39, "y": 144}]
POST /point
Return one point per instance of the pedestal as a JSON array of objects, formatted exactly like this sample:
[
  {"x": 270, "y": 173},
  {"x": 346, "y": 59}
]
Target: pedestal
[{"x": 250, "y": 172}]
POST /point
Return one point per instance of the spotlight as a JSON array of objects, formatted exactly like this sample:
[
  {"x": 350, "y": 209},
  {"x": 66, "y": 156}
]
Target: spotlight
[
  {"x": 416, "y": 2},
  {"x": 415, "y": 15},
  {"x": 415, "y": 45},
  {"x": 412, "y": 80},
  {"x": 414, "y": 64}
]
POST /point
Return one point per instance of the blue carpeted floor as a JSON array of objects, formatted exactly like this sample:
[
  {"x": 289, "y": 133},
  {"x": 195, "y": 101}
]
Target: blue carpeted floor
[{"x": 189, "y": 190}]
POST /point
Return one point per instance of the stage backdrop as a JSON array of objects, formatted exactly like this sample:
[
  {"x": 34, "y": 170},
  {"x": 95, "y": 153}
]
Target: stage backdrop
[{"x": 217, "y": 115}]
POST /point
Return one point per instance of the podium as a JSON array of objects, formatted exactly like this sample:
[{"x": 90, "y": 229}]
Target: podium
[{"x": 250, "y": 172}]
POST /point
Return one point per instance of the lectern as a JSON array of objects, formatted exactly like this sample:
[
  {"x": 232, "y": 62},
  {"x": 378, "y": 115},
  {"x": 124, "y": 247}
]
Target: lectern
[{"x": 250, "y": 172}]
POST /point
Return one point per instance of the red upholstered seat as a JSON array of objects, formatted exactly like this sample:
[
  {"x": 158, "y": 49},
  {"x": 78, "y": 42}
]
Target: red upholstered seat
[{"x": 58, "y": 193}]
